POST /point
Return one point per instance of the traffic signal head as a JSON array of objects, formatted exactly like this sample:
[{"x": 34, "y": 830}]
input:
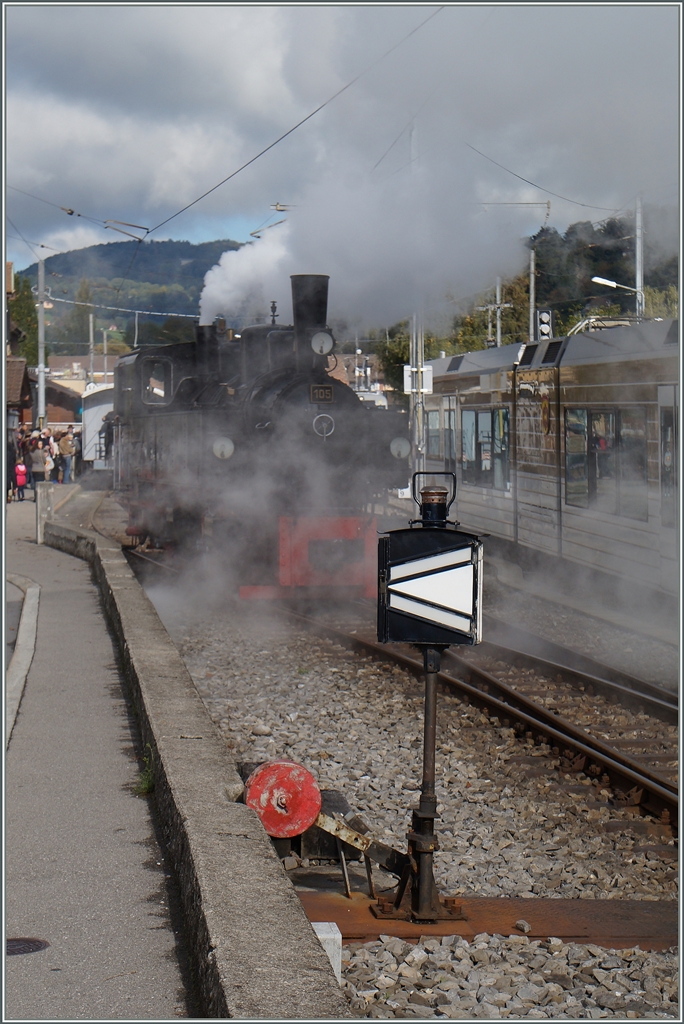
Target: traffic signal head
[{"x": 544, "y": 324}]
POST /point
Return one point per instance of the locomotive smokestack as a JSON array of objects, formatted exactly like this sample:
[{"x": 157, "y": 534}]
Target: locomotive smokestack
[
  {"x": 309, "y": 300},
  {"x": 207, "y": 348}
]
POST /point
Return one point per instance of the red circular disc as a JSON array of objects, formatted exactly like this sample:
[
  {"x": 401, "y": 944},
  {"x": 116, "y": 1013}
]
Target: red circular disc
[{"x": 285, "y": 796}]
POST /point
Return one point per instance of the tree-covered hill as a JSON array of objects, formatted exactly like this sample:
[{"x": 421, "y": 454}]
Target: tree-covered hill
[
  {"x": 162, "y": 277},
  {"x": 161, "y": 263}
]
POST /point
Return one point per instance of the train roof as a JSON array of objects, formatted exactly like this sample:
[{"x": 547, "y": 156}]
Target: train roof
[
  {"x": 487, "y": 360},
  {"x": 650, "y": 337},
  {"x": 627, "y": 341}
]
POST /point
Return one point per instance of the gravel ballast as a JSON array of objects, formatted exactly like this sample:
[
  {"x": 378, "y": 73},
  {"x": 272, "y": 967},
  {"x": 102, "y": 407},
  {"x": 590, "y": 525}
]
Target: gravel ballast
[
  {"x": 504, "y": 829},
  {"x": 494, "y": 977}
]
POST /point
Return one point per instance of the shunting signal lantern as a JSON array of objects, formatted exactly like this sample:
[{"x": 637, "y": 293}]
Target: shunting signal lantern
[{"x": 544, "y": 324}]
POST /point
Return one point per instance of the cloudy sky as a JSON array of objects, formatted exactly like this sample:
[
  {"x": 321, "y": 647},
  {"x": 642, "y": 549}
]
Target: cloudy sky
[{"x": 132, "y": 112}]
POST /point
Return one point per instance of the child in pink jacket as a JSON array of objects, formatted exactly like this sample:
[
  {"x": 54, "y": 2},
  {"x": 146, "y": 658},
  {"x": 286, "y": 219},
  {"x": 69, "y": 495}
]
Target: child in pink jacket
[{"x": 20, "y": 473}]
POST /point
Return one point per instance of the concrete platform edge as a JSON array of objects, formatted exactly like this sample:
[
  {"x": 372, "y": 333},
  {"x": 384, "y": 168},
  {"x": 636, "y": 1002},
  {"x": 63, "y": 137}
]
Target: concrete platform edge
[
  {"x": 254, "y": 953},
  {"x": 18, "y": 668}
]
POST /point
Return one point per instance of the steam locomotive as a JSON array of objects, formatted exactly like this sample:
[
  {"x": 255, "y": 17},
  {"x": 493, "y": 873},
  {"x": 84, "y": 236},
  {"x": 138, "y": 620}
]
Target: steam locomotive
[{"x": 246, "y": 445}]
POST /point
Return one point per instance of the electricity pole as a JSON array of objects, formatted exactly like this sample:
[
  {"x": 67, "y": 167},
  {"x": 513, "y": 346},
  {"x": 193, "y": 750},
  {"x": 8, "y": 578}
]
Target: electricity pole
[
  {"x": 499, "y": 306},
  {"x": 532, "y": 295},
  {"x": 104, "y": 350},
  {"x": 91, "y": 349},
  {"x": 420, "y": 404},
  {"x": 639, "y": 261},
  {"x": 41, "y": 344},
  {"x": 414, "y": 384}
]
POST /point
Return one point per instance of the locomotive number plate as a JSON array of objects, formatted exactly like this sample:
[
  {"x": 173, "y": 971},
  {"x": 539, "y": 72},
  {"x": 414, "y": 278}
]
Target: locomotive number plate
[{"x": 320, "y": 394}]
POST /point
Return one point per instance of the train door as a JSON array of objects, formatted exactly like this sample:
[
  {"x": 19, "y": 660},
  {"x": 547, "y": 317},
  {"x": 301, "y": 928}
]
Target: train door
[{"x": 668, "y": 429}]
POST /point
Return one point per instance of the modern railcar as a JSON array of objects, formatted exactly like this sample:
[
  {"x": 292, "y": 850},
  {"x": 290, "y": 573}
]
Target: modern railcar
[{"x": 569, "y": 447}]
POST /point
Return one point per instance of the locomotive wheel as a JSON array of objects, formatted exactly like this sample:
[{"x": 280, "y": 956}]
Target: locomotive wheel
[{"x": 285, "y": 796}]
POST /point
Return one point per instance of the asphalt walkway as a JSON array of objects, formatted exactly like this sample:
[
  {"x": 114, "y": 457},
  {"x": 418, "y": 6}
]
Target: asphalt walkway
[{"x": 84, "y": 871}]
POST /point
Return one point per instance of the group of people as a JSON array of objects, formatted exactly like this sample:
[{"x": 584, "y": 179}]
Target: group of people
[{"x": 34, "y": 456}]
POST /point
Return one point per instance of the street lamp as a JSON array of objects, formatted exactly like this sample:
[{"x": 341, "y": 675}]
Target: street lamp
[{"x": 635, "y": 291}]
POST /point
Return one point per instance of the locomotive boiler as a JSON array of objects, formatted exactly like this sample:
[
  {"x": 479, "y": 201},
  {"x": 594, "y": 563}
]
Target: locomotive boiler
[{"x": 247, "y": 445}]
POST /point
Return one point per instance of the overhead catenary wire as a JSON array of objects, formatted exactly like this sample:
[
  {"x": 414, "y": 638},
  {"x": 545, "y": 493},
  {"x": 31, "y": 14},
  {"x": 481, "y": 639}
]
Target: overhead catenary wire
[
  {"x": 308, "y": 117},
  {"x": 40, "y": 245},
  {"x": 534, "y": 184},
  {"x": 66, "y": 209},
  {"x": 290, "y": 131},
  {"x": 492, "y": 160},
  {"x": 119, "y": 309},
  {"x": 29, "y": 244}
]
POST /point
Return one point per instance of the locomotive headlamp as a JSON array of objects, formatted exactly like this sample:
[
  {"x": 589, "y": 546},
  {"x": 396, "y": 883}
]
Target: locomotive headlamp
[
  {"x": 400, "y": 447},
  {"x": 322, "y": 343},
  {"x": 223, "y": 447}
]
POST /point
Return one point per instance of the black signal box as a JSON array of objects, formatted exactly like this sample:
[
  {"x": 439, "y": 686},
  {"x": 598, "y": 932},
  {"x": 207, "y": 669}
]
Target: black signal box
[{"x": 430, "y": 587}]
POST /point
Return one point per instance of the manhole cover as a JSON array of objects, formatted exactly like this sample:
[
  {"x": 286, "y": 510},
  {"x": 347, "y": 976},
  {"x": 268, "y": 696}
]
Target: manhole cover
[{"x": 15, "y": 947}]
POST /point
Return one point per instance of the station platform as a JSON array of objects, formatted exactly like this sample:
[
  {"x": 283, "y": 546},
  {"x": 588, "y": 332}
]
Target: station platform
[
  {"x": 84, "y": 871},
  {"x": 143, "y": 907}
]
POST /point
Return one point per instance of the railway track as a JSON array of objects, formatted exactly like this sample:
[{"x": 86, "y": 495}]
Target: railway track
[
  {"x": 571, "y": 702},
  {"x": 275, "y": 691},
  {"x": 537, "y": 700}
]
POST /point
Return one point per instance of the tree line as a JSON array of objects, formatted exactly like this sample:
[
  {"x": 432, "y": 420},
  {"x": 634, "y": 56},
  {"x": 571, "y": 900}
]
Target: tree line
[{"x": 565, "y": 265}]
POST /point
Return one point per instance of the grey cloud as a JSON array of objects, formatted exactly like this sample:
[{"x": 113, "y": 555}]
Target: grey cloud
[{"x": 150, "y": 106}]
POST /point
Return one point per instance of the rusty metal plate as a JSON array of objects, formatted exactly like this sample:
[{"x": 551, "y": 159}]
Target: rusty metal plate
[{"x": 615, "y": 924}]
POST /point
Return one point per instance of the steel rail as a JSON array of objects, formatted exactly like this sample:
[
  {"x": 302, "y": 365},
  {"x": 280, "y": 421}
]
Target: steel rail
[
  {"x": 549, "y": 656},
  {"x": 569, "y": 729},
  {"x": 512, "y": 638},
  {"x": 628, "y": 697},
  {"x": 651, "y": 791}
]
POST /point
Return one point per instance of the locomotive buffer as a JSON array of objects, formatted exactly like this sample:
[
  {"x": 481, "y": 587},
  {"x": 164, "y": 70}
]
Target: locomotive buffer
[{"x": 429, "y": 595}]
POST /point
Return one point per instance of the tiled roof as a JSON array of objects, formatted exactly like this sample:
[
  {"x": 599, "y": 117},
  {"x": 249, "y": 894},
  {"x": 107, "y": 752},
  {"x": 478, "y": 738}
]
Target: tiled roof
[{"x": 18, "y": 389}]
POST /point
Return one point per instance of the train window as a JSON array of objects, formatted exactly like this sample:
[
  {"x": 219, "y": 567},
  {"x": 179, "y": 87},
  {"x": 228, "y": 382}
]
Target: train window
[
  {"x": 156, "y": 381},
  {"x": 668, "y": 495},
  {"x": 528, "y": 355},
  {"x": 433, "y": 434},
  {"x": 605, "y": 461},
  {"x": 633, "y": 481},
  {"x": 484, "y": 447},
  {"x": 602, "y": 476},
  {"x": 576, "y": 461}
]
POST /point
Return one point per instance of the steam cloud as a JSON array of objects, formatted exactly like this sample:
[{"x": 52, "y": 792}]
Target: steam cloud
[
  {"x": 239, "y": 284},
  {"x": 385, "y": 195}
]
